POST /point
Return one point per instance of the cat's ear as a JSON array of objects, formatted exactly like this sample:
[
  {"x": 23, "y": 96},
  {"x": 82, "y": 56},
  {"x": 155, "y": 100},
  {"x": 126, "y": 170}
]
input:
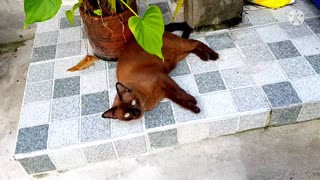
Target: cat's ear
[
  {"x": 111, "y": 113},
  {"x": 121, "y": 89}
]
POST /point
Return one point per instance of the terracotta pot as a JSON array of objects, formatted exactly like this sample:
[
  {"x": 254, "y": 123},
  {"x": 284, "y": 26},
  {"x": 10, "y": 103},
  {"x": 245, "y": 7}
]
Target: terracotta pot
[{"x": 107, "y": 35}]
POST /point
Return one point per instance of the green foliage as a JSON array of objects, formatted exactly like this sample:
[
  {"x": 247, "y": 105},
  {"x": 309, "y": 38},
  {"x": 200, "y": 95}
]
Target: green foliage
[
  {"x": 40, "y": 10},
  {"x": 97, "y": 12},
  {"x": 70, "y": 13},
  {"x": 179, "y": 5},
  {"x": 148, "y": 31}
]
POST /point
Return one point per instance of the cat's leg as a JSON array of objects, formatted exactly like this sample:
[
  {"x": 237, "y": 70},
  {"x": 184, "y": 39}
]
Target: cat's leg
[
  {"x": 204, "y": 52},
  {"x": 178, "y": 95}
]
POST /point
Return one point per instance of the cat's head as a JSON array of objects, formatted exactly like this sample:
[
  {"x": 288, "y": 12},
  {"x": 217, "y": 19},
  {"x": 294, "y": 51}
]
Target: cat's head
[{"x": 126, "y": 105}]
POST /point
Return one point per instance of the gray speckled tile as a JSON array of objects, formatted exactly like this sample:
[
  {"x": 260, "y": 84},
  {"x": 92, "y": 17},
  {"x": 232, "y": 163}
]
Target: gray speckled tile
[
  {"x": 64, "y": 23},
  {"x": 40, "y": 72},
  {"x": 193, "y": 133},
  {"x": 219, "y": 41},
  {"x": 112, "y": 64},
  {"x": 123, "y": 128},
  {"x": 283, "y": 49},
  {"x": 43, "y": 53},
  {"x": 183, "y": 115},
  {"x": 223, "y": 127},
  {"x": 35, "y": 114},
  {"x": 37, "y": 164},
  {"x": 163, "y": 139},
  {"x": 188, "y": 84},
  {"x": 218, "y": 104},
  {"x": 67, "y": 159},
  {"x": 84, "y": 34},
  {"x": 160, "y": 116},
  {"x": 49, "y": 25},
  {"x": 181, "y": 69},
  {"x": 253, "y": 121},
  {"x": 281, "y": 94},
  {"x": 308, "y": 88},
  {"x": 230, "y": 58},
  {"x": 112, "y": 77},
  {"x": 261, "y": 17},
  {"x": 94, "y": 82},
  {"x": 130, "y": 147},
  {"x": 285, "y": 116},
  {"x": 199, "y": 66},
  {"x": 296, "y": 67},
  {"x": 94, "y": 103},
  {"x": 63, "y": 133},
  {"x": 45, "y": 39},
  {"x": 272, "y": 34},
  {"x": 314, "y": 24},
  {"x": 99, "y": 153},
  {"x": 309, "y": 111},
  {"x": 246, "y": 37},
  {"x": 281, "y": 14},
  {"x": 64, "y": 108},
  {"x": 249, "y": 99},
  {"x": 308, "y": 8},
  {"x": 209, "y": 82},
  {"x": 296, "y": 31},
  {"x": 272, "y": 74},
  {"x": 163, "y": 6},
  {"x": 237, "y": 77},
  {"x": 68, "y": 49},
  {"x": 66, "y": 87},
  {"x": 308, "y": 45},
  {"x": 69, "y": 35},
  {"x": 94, "y": 127},
  {"x": 38, "y": 92},
  {"x": 314, "y": 61},
  {"x": 257, "y": 54},
  {"x": 32, "y": 139}
]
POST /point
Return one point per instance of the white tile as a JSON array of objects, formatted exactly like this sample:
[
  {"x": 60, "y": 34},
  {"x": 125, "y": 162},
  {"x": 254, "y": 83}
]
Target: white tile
[
  {"x": 230, "y": 58},
  {"x": 309, "y": 111},
  {"x": 308, "y": 88},
  {"x": 69, "y": 35},
  {"x": 67, "y": 159},
  {"x": 253, "y": 121},
  {"x": 193, "y": 133},
  {"x": 188, "y": 84},
  {"x": 35, "y": 114},
  {"x": 93, "y": 82},
  {"x": 199, "y": 66},
  {"x": 267, "y": 73},
  {"x": 63, "y": 133},
  {"x": 223, "y": 127},
  {"x": 61, "y": 67},
  {"x": 123, "y": 128},
  {"x": 272, "y": 34},
  {"x": 308, "y": 45}
]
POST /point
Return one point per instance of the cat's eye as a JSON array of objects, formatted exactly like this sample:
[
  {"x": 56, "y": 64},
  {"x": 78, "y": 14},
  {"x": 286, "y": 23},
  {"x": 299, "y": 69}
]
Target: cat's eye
[
  {"x": 126, "y": 115},
  {"x": 133, "y": 102}
]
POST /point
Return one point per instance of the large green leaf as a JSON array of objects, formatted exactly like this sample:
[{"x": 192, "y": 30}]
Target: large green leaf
[
  {"x": 40, "y": 10},
  {"x": 149, "y": 30}
]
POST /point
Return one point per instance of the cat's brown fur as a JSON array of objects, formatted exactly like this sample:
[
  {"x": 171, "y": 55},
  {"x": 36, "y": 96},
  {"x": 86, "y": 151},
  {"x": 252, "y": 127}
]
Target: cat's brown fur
[{"x": 144, "y": 80}]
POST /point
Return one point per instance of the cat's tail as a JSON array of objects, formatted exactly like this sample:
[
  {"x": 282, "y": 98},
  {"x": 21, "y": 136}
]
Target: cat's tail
[{"x": 182, "y": 26}]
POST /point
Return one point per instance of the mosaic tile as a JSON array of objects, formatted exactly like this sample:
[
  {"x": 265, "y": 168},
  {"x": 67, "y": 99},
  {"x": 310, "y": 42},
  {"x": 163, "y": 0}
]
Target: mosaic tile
[
  {"x": 68, "y": 49},
  {"x": 308, "y": 88},
  {"x": 45, "y": 39},
  {"x": 63, "y": 133},
  {"x": 237, "y": 77},
  {"x": 309, "y": 111},
  {"x": 223, "y": 127},
  {"x": 32, "y": 139},
  {"x": 94, "y": 103},
  {"x": 67, "y": 159},
  {"x": 296, "y": 31},
  {"x": 69, "y": 35},
  {"x": 66, "y": 87},
  {"x": 35, "y": 114},
  {"x": 40, "y": 72},
  {"x": 272, "y": 34},
  {"x": 181, "y": 69},
  {"x": 198, "y": 66},
  {"x": 283, "y": 49},
  {"x": 160, "y": 116},
  {"x": 94, "y": 82},
  {"x": 249, "y": 99},
  {"x": 261, "y": 17},
  {"x": 209, "y": 82},
  {"x": 281, "y": 94},
  {"x": 314, "y": 61},
  {"x": 308, "y": 45},
  {"x": 246, "y": 37},
  {"x": 64, "y": 23},
  {"x": 272, "y": 74},
  {"x": 61, "y": 68},
  {"x": 163, "y": 139},
  {"x": 187, "y": 83},
  {"x": 253, "y": 121},
  {"x": 99, "y": 153},
  {"x": 43, "y": 53},
  {"x": 38, "y": 92},
  {"x": 183, "y": 115},
  {"x": 218, "y": 104},
  {"x": 65, "y": 108},
  {"x": 94, "y": 128},
  {"x": 123, "y": 128},
  {"x": 257, "y": 54},
  {"x": 296, "y": 67},
  {"x": 285, "y": 115},
  {"x": 230, "y": 58},
  {"x": 130, "y": 147},
  {"x": 219, "y": 41},
  {"x": 37, "y": 164},
  {"x": 193, "y": 133}
]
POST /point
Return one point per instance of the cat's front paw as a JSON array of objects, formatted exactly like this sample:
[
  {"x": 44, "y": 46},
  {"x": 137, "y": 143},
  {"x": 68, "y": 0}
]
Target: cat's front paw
[
  {"x": 195, "y": 109},
  {"x": 213, "y": 56}
]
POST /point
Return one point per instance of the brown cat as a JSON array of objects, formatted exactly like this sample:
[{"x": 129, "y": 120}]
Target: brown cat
[{"x": 144, "y": 80}]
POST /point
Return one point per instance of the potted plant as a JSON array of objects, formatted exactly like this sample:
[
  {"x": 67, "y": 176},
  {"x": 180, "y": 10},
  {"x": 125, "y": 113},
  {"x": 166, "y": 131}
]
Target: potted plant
[{"x": 107, "y": 23}]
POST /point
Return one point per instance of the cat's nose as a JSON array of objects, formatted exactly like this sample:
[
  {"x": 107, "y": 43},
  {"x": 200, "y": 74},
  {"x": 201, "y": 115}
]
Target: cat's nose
[{"x": 136, "y": 112}]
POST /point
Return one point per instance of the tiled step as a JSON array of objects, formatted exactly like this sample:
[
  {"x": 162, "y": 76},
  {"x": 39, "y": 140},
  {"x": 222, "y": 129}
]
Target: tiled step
[{"x": 268, "y": 74}]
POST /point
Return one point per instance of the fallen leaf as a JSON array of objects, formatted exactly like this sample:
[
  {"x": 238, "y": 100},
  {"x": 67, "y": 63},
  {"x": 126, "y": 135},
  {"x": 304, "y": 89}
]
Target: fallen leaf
[{"x": 84, "y": 64}]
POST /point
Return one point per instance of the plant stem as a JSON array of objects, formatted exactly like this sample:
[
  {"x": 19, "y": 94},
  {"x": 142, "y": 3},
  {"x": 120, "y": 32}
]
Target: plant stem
[{"x": 129, "y": 8}]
